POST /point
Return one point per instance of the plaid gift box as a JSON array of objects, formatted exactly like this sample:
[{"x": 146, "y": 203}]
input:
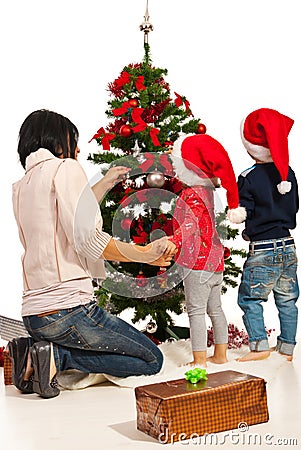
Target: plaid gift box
[
  {"x": 8, "y": 368},
  {"x": 178, "y": 410}
]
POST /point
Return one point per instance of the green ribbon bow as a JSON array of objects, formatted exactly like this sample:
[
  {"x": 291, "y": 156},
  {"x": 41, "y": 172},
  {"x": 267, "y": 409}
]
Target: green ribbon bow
[{"x": 196, "y": 375}]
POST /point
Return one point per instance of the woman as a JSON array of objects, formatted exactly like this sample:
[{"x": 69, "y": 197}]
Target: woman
[{"x": 60, "y": 228}]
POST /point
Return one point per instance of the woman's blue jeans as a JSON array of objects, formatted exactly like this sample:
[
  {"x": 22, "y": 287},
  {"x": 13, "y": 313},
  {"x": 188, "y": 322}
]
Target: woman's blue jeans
[
  {"x": 91, "y": 340},
  {"x": 267, "y": 271}
]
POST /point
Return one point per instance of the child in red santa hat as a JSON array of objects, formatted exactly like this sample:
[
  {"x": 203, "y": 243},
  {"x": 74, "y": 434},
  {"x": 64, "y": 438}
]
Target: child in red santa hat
[
  {"x": 269, "y": 192},
  {"x": 201, "y": 163}
]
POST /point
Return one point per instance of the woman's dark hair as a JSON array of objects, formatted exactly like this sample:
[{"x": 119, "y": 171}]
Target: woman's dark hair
[{"x": 50, "y": 130}]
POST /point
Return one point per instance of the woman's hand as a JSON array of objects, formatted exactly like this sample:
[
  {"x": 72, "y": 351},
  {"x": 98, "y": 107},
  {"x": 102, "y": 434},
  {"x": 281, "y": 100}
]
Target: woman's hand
[
  {"x": 163, "y": 250},
  {"x": 112, "y": 177}
]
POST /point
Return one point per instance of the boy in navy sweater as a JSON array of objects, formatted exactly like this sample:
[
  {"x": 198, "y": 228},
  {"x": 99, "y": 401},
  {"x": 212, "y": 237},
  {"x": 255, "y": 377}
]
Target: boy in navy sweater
[{"x": 269, "y": 192}]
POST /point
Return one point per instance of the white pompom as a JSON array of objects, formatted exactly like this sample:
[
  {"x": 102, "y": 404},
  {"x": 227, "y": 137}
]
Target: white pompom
[
  {"x": 284, "y": 187},
  {"x": 237, "y": 215}
]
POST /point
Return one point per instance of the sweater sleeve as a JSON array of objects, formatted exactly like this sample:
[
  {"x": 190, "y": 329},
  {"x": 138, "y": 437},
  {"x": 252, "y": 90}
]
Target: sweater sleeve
[
  {"x": 246, "y": 198},
  {"x": 78, "y": 211}
]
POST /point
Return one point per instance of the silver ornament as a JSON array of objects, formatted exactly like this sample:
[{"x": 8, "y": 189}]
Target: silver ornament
[{"x": 155, "y": 179}]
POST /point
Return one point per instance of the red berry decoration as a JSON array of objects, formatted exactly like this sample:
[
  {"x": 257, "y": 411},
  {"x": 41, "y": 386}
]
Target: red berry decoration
[
  {"x": 141, "y": 279},
  {"x": 126, "y": 223},
  {"x": 125, "y": 131},
  {"x": 133, "y": 102},
  {"x": 201, "y": 129},
  {"x": 227, "y": 253}
]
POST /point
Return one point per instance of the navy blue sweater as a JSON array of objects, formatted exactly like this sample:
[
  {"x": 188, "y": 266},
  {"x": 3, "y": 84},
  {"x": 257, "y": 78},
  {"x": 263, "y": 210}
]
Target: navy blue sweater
[{"x": 270, "y": 215}]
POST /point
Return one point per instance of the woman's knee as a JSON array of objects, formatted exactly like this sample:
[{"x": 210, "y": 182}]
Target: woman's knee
[{"x": 157, "y": 363}]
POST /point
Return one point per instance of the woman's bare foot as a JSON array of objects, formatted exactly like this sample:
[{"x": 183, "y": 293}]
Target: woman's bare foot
[
  {"x": 254, "y": 356},
  {"x": 217, "y": 360}
]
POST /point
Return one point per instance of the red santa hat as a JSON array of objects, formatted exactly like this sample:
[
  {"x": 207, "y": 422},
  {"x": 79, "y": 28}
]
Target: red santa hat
[
  {"x": 264, "y": 134},
  {"x": 199, "y": 157}
]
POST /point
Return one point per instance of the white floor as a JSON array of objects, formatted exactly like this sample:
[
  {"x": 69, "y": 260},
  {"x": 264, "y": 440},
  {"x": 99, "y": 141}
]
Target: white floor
[{"x": 104, "y": 416}]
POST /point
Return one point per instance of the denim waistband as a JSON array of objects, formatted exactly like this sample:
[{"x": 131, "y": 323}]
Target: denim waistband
[{"x": 271, "y": 244}]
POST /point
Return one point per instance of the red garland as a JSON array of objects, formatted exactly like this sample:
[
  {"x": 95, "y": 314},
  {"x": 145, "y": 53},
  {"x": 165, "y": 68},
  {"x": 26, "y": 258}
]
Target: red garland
[{"x": 151, "y": 115}]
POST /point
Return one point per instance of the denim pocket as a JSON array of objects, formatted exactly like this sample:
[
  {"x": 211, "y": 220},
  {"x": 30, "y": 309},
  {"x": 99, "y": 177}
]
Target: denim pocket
[
  {"x": 261, "y": 281},
  {"x": 58, "y": 328}
]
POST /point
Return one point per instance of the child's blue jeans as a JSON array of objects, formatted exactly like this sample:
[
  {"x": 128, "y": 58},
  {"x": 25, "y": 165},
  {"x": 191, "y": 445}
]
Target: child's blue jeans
[
  {"x": 91, "y": 340},
  {"x": 265, "y": 271}
]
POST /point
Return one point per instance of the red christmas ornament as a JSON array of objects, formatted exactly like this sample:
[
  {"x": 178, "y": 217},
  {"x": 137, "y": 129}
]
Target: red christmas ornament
[
  {"x": 126, "y": 223},
  {"x": 227, "y": 253},
  {"x": 125, "y": 131},
  {"x": 201, "y": 129},
  {"x": 141, "y": 279},
  {"x": 133, "y": 102}
]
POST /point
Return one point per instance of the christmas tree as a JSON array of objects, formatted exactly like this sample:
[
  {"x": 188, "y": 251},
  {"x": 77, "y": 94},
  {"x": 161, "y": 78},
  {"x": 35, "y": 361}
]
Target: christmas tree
[{"x": 145, "y": 118}]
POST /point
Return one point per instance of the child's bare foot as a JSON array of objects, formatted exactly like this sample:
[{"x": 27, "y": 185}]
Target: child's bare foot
[
  {"x": 201, "y": 364},
  {"x": 217, "y": 360},
  {"x": 219, "y": 355},
  {"x": 254, "y": 356},
  {"x": 199, "y": 358},
  {"x": 287, "y": 357}
]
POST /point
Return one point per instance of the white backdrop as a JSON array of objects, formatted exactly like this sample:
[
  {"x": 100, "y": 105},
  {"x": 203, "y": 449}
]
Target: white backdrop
[{"x": 227, "y": 58}]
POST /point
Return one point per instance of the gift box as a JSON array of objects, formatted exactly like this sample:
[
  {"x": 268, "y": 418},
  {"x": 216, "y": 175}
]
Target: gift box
[
  {"x": 178, "y": 410},
  {"x": 7, "y": 367}
]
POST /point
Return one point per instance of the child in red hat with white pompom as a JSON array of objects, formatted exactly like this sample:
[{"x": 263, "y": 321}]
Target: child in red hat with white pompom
[
  {"x": 269, "y": 192},
  {"x": 201, "y": 163}
]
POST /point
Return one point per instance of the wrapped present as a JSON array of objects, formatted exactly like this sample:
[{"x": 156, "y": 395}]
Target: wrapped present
[
  {"x": 179, "y": 410},
  {"x": 7, "y": 367}
]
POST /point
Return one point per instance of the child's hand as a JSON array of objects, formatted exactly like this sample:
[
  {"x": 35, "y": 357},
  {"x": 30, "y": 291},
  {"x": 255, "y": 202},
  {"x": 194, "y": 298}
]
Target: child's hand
[
  {"x": 171, "y": 249},
  {"x": 163, "y": 250}
]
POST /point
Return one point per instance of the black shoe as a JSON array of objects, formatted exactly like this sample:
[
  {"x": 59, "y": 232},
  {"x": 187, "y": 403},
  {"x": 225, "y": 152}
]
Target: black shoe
[
  {"x": 18, "y": 351},
  {"x": 41, "y": 359}
]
